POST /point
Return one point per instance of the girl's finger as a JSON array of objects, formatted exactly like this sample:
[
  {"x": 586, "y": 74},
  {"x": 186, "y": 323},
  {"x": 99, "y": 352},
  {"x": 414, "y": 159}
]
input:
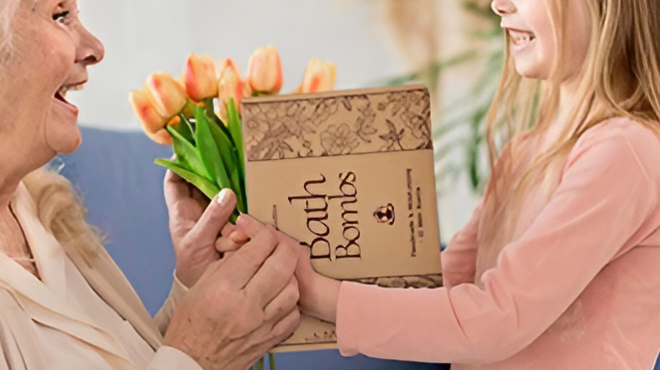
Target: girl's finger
[{"x": 224, "y": 245}]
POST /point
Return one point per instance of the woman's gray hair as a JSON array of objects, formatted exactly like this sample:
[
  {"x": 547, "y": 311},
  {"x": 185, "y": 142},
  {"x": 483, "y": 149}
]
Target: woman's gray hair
[{"x": 7, "y": 13}]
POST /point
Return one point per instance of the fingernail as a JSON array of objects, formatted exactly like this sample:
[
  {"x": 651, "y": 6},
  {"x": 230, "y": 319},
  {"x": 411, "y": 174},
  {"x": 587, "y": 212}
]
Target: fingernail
[{"x": 223, "y": 197}]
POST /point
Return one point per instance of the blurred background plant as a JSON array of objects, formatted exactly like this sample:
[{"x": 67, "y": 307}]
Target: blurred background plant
[{"x": 459, "y": 118}]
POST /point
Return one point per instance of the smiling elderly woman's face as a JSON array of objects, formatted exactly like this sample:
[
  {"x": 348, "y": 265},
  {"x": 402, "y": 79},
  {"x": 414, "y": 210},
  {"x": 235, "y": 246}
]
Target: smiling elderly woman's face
[{"x": 50, "y": 52}]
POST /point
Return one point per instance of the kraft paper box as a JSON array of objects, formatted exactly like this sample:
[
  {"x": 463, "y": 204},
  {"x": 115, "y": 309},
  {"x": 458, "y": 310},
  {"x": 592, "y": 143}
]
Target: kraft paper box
[{"x": 350, "y": 175}]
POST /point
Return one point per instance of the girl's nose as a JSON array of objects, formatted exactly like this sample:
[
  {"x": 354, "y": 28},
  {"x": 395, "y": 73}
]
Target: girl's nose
[{"x": 503, "y": 7}]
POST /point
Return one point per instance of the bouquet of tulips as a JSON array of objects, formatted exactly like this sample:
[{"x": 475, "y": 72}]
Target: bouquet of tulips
[{"x": 205, "y": 133}]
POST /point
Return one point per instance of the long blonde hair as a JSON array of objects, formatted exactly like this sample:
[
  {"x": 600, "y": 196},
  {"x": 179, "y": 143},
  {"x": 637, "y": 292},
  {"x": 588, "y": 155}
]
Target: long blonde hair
[
  {"x": 61, "y": 212},
  {"x": 620, "y": 78}
]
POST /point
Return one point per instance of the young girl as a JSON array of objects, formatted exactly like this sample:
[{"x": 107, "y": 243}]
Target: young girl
[{"x": 559, "y": 267}]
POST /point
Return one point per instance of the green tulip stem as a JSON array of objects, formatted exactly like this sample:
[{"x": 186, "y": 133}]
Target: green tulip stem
[
  {"x": 209, "y": 107},
  {"x": 259, "y": 365},
  {"x": 185, "y": 120},
  {"x": 271, "y": 361}
]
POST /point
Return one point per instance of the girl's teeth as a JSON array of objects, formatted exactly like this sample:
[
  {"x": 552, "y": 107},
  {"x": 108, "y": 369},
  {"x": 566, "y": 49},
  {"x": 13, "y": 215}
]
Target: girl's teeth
[{"x": 520, "y": 39}]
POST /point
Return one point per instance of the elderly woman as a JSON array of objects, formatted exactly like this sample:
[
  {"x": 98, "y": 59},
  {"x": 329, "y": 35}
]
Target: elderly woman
[{"x": 64, "y": 304}]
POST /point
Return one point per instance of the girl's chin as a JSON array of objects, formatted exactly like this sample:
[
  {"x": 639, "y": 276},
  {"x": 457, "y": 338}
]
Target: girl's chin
[{"x": 531, "y": 70}]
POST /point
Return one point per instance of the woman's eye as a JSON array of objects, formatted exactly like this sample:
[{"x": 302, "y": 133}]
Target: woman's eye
[{"x": 61, "y": 16}]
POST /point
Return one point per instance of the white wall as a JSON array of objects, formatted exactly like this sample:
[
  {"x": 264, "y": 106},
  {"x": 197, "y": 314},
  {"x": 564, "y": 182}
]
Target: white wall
[{"x": 145, "y": 36}]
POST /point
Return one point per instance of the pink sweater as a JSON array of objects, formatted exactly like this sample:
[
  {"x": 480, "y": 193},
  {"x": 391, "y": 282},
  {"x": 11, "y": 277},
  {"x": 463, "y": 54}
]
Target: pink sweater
[{"x": 578, "y": 290}]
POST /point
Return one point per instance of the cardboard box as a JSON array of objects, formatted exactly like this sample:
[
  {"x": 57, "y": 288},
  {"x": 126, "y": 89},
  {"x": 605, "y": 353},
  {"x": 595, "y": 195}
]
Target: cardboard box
[{"x": 350, "y": 175}]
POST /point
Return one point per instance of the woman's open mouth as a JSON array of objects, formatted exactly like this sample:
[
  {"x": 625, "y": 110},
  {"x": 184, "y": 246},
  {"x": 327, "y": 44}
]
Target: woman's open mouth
[{"x": 60, "y": 95}]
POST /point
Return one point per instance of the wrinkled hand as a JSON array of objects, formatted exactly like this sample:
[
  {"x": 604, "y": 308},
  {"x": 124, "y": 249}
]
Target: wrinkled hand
[
  {"x": 241, "y": 307},
  {"x": 318, "y": 294},
  {"x": 199, "y": 228}
]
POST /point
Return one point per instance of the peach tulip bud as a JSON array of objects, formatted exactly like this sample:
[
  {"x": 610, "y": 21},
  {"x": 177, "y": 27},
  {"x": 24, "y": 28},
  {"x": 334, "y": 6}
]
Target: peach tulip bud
[
  {"x": 165, "y": 94},
  {"x": 230, "y": 86},
  {"x": 161, "y": 136},
  {"x": 319, "y": 76},
  {"x": 200, "y": 79},
  {"x": 265, "y": 71},
  {"x": 153, "y": 123}
]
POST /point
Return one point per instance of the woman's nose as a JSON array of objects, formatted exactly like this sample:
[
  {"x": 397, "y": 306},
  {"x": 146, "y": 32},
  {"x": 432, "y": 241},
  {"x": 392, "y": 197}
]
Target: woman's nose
[
  {"x": 91, "y": 50},
  {"x": 503, "y": 7}
]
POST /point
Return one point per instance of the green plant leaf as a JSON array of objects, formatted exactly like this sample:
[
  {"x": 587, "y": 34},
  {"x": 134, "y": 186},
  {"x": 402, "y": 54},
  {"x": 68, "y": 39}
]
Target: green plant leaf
[
  {"x": 187, "y": 154},
  {"x": 184, "y": 129},
  {"x": 230, "y": 159},
  {"x": 213, "y": 150},
  {"x": 234, "y": 127},
  {"x": 205, "y": 186}
]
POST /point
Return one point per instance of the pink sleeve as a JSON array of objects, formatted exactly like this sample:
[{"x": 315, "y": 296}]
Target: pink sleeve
[
  {"x": 459, "y": 259},
  {"x": 608, "y": 193}
]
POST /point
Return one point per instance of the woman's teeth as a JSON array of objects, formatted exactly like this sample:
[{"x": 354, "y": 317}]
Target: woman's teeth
[{"x": 61, "y": 93}]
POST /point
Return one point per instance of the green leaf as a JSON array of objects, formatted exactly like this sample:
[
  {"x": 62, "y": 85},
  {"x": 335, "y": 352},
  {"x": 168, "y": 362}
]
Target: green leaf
[
  {"x": 187, "y": 154},
  {"x": 234, "y": 126},
  {"x": 230, "y": 159},
  {"x": 237, "y": 172},
  {"x": 213, "y": 118},
  {"x": 184, "y": 129},
  {"x": 205, "y": 186},
  {"x": 214, "y": 150}
]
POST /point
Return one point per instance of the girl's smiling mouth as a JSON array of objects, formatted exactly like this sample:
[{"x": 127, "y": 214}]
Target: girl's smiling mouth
[{"x": 520, "y": 39}]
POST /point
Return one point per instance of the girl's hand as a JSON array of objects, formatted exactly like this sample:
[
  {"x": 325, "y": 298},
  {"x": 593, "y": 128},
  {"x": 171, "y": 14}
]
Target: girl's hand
[
  {"x": 199, "y": 228},
  {"x": 242, "y": 306},
  {"x": 318, "y": 294}
]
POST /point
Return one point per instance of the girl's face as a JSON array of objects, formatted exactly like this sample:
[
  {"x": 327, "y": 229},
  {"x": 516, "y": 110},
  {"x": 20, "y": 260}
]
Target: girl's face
[
  {"x": 51, "y": 52},
  {"x": 533, "y": 39}
]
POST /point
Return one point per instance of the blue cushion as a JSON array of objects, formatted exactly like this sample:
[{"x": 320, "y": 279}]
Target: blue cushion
[{"x": 123, "y": 192}]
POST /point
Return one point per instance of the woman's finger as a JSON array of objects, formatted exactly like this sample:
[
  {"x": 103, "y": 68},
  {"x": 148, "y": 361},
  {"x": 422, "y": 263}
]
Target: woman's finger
[
  {"x": 285, "y": 327},
  {"x": 244, "y": 263},
  {"x": 214, "y": 218},
  {"x": 274, "y": 275},
  {"x": 175, "y": 188},
  {"x": 284, "y": 302}
]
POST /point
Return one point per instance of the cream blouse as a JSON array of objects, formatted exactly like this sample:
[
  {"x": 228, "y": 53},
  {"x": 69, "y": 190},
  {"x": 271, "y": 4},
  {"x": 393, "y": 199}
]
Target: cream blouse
[{"x": 81, "y": 314}]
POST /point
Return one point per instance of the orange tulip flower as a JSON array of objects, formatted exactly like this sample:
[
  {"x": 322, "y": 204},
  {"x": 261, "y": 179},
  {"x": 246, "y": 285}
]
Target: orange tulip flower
[
  {"x": 230, "y": 85},
  {"x": 200, "y": 78},
  {"x": 319, "y": 76},
  {"x": 165, "y": 94},
  {"x": 265, "y": 71},
  {"x": 153, "y": 123}
]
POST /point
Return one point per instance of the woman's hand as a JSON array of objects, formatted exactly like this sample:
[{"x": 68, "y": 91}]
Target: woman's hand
[
  {"x": 199, "y": 228},
  {"x": 318, "y": 294},
  {"x": 241, "y": 307}
]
